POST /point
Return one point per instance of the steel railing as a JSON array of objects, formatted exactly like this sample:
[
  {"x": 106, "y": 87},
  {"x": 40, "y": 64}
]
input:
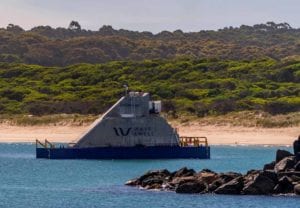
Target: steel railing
[
  {"x": 46, "y": 144},
  {"x": 193, "y": 141}
]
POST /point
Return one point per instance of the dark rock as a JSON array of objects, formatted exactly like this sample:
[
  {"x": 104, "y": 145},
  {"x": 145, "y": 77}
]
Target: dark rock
[
  {"x": 296, "y": 145},
  {"x": 271, "y": 174},
  {"x": 285, "y": 164},
  {"x": 295, "y": 178},
  {"x": 234, "y": 186},
  {"x": 260, "y": 185},
  {"x": 180, "y": 180},
  {"x": 269, "y": 166},
  {"x": 229, "y": 176},
  {"x": 297, "y": 189},
  {"x": 160, "y": 173},
  {"x": 288, "y": 173},
  {"x": 191, "y": 187},
  {"x": 281, "y": 154},
  {"x": 284, "y": 186},
  {"x": 207, "y": 177},
  {"x": 253, "y": 172},
  {"x": 184, "y": 172},
  {"x": 150, "y": 177},
  {"x": 132, "y": 182},
  {"x": 152, "y": 180},
  {"x": 215, "y": 184},
  {"x": 280, "y": 177},
  {"x": 153, "y": 186},
  {"x": 297, "y": 166},
  {"x": 298, "y": 156},
  {"x": 206, "y": 171}
]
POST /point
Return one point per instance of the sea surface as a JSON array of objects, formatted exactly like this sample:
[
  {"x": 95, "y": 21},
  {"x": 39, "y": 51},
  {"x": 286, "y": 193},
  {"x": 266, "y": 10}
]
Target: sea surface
[{"x": 29, "y": 182}]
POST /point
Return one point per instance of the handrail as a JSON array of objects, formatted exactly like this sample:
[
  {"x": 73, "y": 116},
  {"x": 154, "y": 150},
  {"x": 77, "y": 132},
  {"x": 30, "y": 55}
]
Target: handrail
[
  {"x": 193, "y": 141},
  {"x": 45, "y": 144},
  {"x": 52, "y": 146},
  {"x": 38, "y": 142}
]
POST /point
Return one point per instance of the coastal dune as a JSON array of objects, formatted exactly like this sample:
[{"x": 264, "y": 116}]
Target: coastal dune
[{"x": 217, "y": 135}]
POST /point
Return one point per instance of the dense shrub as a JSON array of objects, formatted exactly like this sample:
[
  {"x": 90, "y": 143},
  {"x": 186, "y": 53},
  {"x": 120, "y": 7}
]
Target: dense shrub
[{"x": 224, "y": 86}]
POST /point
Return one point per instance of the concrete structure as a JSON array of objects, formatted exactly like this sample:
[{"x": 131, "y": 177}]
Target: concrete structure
[
  {"x": 133, "y": 121},
  {"x": 131, "y": 129}
]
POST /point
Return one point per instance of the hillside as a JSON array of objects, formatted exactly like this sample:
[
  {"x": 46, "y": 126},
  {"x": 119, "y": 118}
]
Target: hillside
[
  {"x": 191, "y": 86},
  {"x": 48, "y": 46}
]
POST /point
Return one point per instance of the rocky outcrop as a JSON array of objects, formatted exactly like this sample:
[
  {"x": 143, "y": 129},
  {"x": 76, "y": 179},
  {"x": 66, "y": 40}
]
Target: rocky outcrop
[
  {"x": 234, "y": 186},
  {"x": 280, "y": 154},
  {"x": 281, "y": 176},
  {"x": 297, "y": 189},
  {"x": 260, "y": 184},
  {"x": 285, "y": 164},
  {"x": 191, "y": 187}
]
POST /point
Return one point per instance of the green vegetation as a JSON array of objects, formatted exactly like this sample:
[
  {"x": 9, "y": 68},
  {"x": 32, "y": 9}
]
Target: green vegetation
[
  {"x": 55, "y": 119},
  {"x": 197, "y": 87},
  {"x": 245, "y": 119},
  {"x": 75, "y": 71},
  {"x": 49, "y": 46}
]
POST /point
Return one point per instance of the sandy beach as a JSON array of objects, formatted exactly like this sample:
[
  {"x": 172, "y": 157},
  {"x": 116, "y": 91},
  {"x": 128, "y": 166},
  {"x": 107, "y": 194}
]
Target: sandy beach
[{"x": 217, "y": 135}]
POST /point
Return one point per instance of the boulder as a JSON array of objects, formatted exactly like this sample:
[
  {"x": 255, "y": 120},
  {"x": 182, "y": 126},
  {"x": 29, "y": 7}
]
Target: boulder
[
  {"x": 251, "y": 175},
  {"x": 234, "y": 186},
  {"x": 153, "y": 186},
  {"x": 207, "y": 177},
  {"x": 271, "y": 174},
  {"x": 155, "y": 173},
  {"x": 261, "y": 185},
  {"x": 285, "y": 164},
  {"x": 297, "y": 189},
  {"x": 226, "y": 177},
  {"x": 184, "y": 172},
  {"x": 191, "y": 187},
  {"x": 284, "y": 186},
  {"x": 205, "y": 170},
  {"x": 295, "y": 178},
  {"x": 180, "y": 180},
  {"x": 214, "y": 185},
  {"x": 297, "y": 166},
  {"x": 132, "y": 182},
  {"x": 281, "y": 154},
  {"x": 150, "y": 177},
  {"x": 152, "y": 180},
  {"x": 269, "y": 166}
]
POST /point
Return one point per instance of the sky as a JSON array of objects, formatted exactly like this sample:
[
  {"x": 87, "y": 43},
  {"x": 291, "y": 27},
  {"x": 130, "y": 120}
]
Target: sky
[{"x": 149, "y": 15}]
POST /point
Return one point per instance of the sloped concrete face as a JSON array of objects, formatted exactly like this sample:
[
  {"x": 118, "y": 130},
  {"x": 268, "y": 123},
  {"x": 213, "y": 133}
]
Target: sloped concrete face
[{"x": 129, "y": 123}]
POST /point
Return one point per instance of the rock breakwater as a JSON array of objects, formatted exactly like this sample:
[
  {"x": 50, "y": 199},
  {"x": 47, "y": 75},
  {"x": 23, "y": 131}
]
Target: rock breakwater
[{"x": 281, "y": 176}]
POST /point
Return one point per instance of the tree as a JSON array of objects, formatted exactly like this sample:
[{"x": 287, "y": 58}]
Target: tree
[
  {"x": 74, "y": 25},
  {"x": 107, "y": 30},
  {"x": 14, "y": 28}
]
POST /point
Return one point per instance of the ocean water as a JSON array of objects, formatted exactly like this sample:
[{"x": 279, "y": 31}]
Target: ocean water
[{"x": 29, "y": 182}]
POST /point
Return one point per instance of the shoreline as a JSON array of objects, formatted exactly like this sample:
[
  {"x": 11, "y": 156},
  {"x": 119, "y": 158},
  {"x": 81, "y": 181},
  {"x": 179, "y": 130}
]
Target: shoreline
[{"x": 217, "y": 135}]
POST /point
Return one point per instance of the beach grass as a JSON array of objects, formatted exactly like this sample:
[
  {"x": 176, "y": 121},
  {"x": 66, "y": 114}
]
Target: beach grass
[
  {"x": 244, "y": 119},
  {"x": 55, "y": 119}
]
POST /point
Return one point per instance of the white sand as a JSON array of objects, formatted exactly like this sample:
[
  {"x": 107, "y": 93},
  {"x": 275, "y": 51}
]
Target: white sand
[{"x": 215, "y": 134}]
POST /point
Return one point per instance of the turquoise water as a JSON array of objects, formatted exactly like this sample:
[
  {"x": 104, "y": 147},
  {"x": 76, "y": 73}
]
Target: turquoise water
[{"x": 28, "y": 182}]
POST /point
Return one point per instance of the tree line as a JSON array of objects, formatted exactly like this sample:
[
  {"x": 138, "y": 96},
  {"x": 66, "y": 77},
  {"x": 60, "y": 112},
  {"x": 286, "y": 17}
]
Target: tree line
[{"x": 47, "y": 46}]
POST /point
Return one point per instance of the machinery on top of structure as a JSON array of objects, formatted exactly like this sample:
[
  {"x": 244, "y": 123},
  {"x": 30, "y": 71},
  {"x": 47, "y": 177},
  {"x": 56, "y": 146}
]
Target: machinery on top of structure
[{"x": 131, "y": 129}]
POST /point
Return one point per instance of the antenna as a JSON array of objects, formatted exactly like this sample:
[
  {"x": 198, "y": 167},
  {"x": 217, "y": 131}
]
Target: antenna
[{"x": 126, "y": 88}]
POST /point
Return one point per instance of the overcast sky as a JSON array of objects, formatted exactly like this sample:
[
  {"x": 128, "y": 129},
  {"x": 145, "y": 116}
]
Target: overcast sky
[{"x": 149, "y": 15}]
